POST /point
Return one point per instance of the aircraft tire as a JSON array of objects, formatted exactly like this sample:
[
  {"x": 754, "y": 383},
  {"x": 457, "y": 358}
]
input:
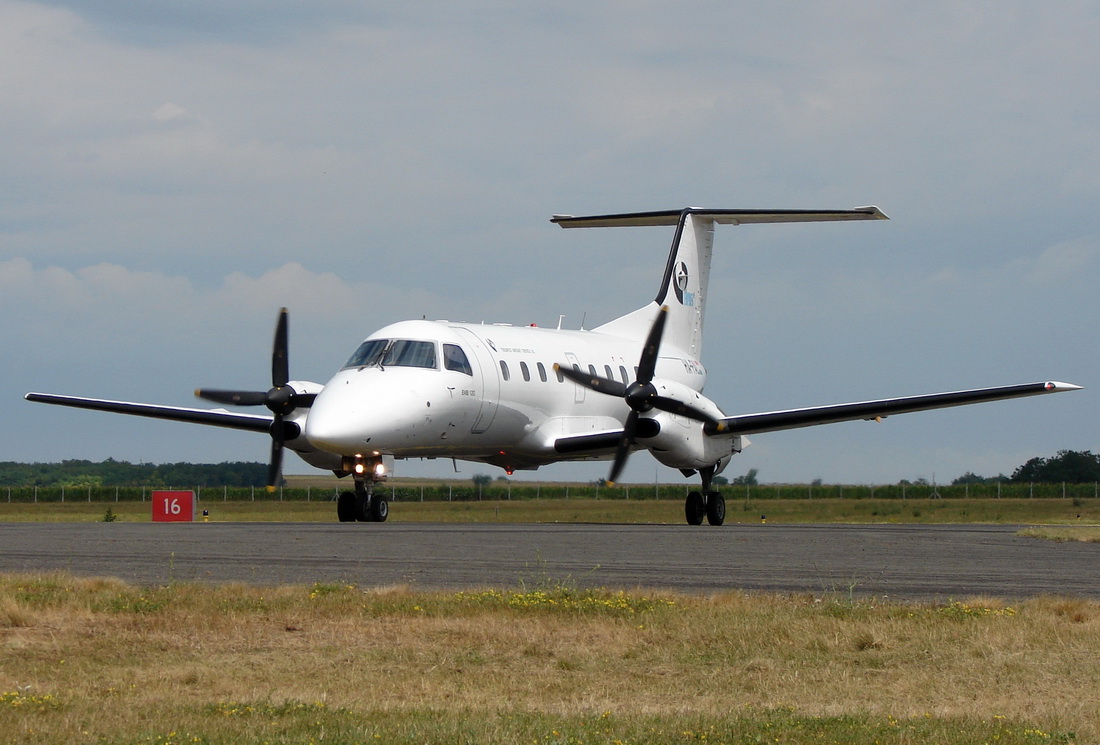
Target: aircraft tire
[
  {"x": 362, "y": 508},
  {"x": 694, "y": 508},
  {"x": 379, "y": 508},
  {"x": 345, "y": 507},
  {"x": 716, "y": 508}
]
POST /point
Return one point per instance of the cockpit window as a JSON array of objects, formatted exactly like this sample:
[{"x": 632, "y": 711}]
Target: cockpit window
[
  {"x": 368, "y": 353},
  {"x": 404, "y": 353},
  {"x": 394, "y": 353},
  {"x": 455, "y": 359}
]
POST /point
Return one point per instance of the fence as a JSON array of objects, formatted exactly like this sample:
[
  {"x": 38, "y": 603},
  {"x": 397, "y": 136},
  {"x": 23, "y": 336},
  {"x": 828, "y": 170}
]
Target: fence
[{"x": 457, "y": 492}]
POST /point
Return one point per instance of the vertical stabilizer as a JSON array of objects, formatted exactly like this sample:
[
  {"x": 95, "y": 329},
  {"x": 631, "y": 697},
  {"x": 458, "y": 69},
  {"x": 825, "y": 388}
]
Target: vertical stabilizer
[
  {"x": 684, "y": 286},
  {"x": 687, "y": 273}
]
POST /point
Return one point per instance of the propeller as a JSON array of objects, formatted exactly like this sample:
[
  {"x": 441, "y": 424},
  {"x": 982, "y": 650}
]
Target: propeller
[
  {"x": 281, "y": 399},
  {"x": 641, "y": 395}
]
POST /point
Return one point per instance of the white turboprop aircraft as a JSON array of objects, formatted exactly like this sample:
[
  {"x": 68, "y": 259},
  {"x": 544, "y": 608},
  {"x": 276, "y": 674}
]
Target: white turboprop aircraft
[{"x": 523, "y": 397}]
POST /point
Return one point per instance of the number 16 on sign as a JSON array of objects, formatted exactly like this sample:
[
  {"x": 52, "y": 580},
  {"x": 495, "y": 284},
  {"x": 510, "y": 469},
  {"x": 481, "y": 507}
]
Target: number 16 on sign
[{"x": 173, "y": 506}]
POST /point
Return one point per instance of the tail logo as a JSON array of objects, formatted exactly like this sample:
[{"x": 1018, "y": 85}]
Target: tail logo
[{"x": 680, "y": 284}]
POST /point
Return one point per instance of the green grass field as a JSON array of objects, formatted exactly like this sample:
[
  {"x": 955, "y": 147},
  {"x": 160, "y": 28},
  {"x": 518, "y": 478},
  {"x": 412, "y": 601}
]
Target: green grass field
[{"x": 1068, "y": 512}]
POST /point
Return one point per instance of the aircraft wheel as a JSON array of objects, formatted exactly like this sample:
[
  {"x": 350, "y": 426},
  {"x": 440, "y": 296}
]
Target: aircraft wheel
[
  {"x": 345, "y": 507},
  {"x": 362, "y": 508},
  {"x": 694, "y": 508},
  {"x": 716, "y": 508},
  {"x": 379, "y": 508}
]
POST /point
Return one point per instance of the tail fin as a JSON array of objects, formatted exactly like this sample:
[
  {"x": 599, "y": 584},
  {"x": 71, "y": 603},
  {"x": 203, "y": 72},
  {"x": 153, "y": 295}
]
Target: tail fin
[{"x": 684, "y": 285}]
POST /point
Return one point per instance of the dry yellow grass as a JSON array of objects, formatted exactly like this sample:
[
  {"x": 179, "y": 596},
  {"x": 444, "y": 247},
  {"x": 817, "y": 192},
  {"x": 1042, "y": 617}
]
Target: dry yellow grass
[
  {"x": 1080, "y": 533},
  {"x": 101, "y": 661}
]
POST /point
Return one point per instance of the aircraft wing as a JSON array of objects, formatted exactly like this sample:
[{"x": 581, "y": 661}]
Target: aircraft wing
[
  {"x": 747, "y": 424},
  {"x": 214, "y": 417}
]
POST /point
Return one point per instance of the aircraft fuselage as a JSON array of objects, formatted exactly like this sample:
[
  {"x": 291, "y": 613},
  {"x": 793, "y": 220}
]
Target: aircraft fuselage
[{"x": 502, "y": 402}]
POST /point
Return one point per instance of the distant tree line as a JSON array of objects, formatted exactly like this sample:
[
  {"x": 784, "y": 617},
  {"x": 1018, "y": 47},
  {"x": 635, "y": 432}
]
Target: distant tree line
[
  {"x": 1066, "y": 467},
  {"x": 111, "y": 472}
]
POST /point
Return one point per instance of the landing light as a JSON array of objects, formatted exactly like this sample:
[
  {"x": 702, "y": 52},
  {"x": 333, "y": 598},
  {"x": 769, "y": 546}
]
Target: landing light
[{"x": 380, "y": 470}]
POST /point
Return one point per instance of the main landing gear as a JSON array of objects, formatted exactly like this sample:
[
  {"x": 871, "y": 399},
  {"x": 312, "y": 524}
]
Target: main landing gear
[
  {"x": 709, "y": 504},
  {"x": 362, "y": 505}
]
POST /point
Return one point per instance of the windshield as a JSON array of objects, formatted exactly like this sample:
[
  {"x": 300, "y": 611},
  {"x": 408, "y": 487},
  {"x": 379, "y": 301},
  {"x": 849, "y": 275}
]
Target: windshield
[
  {"x": 394, "y": 353},
  {"x": 368, "y": 353}
]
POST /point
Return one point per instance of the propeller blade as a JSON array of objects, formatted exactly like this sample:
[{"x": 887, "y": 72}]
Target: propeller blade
[
  {"x": 280, "y": 365},
  {"x": 281, "y": 399},
  {"x": 304, "y": 400},
  {"x": 648, "y": 363},
  {"x": 623, "y": 451},
  {"x": 233, "y": 398},
  {"x": 275, "y": 467},
  {"x": 592, "y": 382},
  {"x": 672, "y": 406}
]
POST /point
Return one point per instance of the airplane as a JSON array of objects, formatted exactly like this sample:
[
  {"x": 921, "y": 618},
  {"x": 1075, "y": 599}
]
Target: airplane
[{"x": 521, "y": 397}]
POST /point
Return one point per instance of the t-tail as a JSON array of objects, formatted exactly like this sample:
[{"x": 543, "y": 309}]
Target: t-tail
[{"x": 683, "y": 288}]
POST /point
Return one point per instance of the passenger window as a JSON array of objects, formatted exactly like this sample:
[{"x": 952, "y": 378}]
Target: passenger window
[
  {"x": 542, "y": 372},
  {"x": 526, "y": 373},
  {"x": 592, "y": 370},
  {"x": 561, "y": 378},
  {"x": 455, "y": 359},
  {"x": 504, "y": 370},
  {"x": 610, "y": 375},
  {"x": 622, "y": 374}
]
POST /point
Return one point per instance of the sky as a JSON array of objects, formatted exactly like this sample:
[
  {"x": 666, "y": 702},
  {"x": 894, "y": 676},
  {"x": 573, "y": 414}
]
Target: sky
[{"x": 171, "y": 174}]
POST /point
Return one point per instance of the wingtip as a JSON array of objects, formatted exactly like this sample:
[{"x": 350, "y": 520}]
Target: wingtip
[
  {"x": 1054, "y": 386},
  {"x": 873, "y": 211}
]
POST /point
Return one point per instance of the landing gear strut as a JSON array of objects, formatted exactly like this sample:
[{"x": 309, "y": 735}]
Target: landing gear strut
[
  {"x": 709, "y": 504},
  {"x": 363, "y": 505}
]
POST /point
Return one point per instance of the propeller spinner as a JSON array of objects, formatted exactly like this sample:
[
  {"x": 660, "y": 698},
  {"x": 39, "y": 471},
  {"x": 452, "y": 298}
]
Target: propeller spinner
[
  {"x": 281, "y": 399},
  {"x": 641, "y": 395}
]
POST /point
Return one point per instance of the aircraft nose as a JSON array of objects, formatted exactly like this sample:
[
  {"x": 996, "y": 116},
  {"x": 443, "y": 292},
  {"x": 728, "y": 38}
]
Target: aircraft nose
[
  {"x": 330, "y": 427},
  {"x": 356, "y": 412}
]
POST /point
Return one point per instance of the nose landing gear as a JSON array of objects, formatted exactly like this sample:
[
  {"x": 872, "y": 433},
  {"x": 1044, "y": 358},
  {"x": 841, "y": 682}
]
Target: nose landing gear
[{"x": 363, "y": 505}]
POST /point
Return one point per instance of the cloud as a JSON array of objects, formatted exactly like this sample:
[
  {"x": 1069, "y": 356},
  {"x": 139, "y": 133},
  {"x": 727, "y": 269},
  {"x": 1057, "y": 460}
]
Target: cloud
[
  {"x": 174, "y": 174},
  {"x": 1068, "y": 262},
  {"x": 250, "y": 21}
]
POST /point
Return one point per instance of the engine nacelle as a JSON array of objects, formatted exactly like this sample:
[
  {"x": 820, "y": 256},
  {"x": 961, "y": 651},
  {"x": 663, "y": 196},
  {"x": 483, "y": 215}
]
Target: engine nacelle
[
  {"x": 299, "y": 444},
  {"x": 681, "y": 442}
]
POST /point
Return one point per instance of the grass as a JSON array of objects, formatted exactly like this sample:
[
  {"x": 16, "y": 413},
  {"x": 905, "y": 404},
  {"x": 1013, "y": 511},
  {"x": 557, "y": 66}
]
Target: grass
[
  {"x": 1081, "y": 533},
  {"x": 100, "y": 661},
  {"x": 1072, "y": 512}
]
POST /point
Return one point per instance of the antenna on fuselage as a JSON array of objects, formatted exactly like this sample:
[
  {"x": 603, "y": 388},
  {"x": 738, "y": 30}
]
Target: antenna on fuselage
[{"x": 561, "y": 318}]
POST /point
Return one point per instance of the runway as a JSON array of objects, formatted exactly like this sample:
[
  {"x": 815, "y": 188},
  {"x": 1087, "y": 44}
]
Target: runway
[{"x": 903, "y": 562}]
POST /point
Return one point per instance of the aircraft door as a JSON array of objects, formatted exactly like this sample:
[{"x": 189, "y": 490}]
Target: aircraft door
[
  {"x": 487, "y": 379},
  {"x": 572, "y": 361}
]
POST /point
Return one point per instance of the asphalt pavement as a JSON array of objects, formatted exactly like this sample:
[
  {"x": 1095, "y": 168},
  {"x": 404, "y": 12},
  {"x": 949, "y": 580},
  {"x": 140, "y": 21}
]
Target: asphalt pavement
[{"x": 904, "y": 562}]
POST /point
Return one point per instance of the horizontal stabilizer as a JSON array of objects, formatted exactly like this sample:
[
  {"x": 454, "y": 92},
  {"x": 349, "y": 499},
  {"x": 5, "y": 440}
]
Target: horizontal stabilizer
[
  {"x": 722, "y": 217},
  {"x": 747, "y": 424},
  {"x": 213, "y": 417}
]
